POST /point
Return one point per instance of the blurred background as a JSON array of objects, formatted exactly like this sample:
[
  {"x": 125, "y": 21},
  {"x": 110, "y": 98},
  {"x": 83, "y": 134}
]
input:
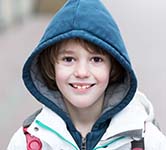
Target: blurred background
[{"x": 22, "y": 23}]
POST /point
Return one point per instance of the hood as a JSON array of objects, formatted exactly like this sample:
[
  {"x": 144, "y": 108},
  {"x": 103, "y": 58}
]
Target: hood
[{"x": 91, "y": 21}]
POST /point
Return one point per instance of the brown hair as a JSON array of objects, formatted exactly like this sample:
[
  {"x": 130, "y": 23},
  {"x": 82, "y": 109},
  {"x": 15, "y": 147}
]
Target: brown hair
[{"x": 48, "y": 57}]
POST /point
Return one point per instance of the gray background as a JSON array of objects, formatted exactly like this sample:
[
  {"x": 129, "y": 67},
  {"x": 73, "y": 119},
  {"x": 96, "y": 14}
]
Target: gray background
[
  {"x": 142, "y": 24},
  {"x": 143, "y": 27}
]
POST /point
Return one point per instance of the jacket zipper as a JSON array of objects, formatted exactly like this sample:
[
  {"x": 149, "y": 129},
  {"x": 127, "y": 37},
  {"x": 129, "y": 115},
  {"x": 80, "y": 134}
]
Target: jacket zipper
[{"x": 83, "y": 144}]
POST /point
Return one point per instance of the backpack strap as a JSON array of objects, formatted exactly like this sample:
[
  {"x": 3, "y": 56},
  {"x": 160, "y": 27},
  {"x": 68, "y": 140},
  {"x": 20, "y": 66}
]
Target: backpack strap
[
  {"x": 138, "y": 145},
  {"x": 33, "y": 143}
]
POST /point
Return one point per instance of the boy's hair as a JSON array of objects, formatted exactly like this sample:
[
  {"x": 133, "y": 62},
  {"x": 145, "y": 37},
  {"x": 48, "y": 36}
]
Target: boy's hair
[{"x": 48, "y": 57}]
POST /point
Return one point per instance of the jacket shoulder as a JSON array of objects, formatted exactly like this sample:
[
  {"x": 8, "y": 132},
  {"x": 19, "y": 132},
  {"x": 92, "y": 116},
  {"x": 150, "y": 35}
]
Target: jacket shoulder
[
  {"x": 154, "y": 138},
  {"x": 18, "y": 141}
]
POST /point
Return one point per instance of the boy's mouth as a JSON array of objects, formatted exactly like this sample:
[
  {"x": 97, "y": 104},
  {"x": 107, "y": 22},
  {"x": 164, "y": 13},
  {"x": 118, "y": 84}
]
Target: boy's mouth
[{"x": 81, "y": 85}]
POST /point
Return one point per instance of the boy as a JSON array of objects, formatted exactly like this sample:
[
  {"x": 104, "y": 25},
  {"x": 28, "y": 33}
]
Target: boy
[{"x": 81, "y": 73}]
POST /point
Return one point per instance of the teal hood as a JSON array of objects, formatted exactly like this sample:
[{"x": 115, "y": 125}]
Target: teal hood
[{"x": 89, "y": 20}]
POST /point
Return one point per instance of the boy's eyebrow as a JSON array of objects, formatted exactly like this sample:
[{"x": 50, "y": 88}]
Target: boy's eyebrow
[{"x": 64, "y": 51}]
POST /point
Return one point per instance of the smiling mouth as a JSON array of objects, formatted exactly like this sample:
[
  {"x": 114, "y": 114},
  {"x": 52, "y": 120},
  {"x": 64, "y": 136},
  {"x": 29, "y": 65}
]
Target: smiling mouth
[{"x": 81, "y": 86}]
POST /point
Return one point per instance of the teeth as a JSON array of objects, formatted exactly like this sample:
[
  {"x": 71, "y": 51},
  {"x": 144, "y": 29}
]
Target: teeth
[{"x": 81, "y": 87}]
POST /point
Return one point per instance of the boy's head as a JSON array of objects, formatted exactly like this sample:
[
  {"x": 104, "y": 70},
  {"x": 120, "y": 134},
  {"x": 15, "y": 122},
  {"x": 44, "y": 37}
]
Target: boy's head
[
  {"x": 41, "y": 67},
  {"x": 49, "y": 57}
]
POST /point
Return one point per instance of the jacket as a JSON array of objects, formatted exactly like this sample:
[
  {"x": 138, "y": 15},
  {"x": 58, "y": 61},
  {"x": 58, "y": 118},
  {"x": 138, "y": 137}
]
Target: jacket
[
  {"x": 124, "y": 128},
  {"x": 91, "y": 21}
]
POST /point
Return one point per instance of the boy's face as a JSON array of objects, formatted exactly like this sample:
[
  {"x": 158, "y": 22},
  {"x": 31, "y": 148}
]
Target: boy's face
[{"x": 81, "y": 76}]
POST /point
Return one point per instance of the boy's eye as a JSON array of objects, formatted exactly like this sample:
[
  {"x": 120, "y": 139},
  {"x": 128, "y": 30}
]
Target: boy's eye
[
  {"x": 68, "y": 59},
  {"x": 97, "y": 59}
]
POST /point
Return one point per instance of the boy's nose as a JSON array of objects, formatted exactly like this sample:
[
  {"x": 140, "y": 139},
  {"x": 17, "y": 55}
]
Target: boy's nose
[{"x": 82, "y": 71}]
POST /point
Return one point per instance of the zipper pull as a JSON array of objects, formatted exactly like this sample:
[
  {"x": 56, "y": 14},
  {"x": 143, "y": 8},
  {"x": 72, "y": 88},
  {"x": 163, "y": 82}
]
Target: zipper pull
[{"x": 83, "y": 145}]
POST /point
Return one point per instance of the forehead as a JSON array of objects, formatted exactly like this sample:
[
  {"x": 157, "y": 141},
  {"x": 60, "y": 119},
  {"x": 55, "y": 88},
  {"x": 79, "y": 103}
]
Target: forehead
[{"x": 67, "y": 45}]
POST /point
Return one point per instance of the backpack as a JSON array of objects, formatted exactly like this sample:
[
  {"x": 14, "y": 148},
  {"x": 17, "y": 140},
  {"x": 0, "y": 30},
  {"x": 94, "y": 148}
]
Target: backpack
[{"x": 34, "y": 143}]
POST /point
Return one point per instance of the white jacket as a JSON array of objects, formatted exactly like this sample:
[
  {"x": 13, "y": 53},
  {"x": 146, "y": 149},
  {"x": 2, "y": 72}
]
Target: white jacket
[{"x": 136, "y": 118}]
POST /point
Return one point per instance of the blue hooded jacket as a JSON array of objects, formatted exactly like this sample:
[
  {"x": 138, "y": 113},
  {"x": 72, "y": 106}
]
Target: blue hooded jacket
[{"x": 89, "y": 20}]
